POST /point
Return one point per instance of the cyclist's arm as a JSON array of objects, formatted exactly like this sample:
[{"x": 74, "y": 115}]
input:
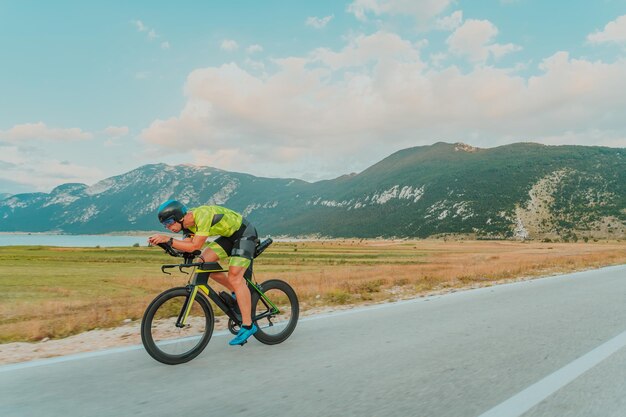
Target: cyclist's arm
[{"x": 189, "y": 244}]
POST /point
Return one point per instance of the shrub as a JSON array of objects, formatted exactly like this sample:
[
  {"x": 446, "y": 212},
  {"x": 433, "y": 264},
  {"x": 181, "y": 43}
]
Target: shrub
[
  {"x": 401, "y": 281},
  {"x": 371, "y": 286},
  {"x": 338, "y": 297}
]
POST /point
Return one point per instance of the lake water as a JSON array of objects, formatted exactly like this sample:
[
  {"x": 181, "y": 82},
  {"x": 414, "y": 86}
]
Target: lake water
[{"x": 81, "y": 241}]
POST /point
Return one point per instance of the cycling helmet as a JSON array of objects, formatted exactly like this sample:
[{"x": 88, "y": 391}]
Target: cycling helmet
[{"x": 171, "y": 211}]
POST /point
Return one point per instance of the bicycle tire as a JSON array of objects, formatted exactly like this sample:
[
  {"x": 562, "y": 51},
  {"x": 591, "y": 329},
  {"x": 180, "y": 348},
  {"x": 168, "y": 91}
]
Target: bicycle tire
[
  {"x": 280, "y": 293},
  {"x": 159, "y": 321}
]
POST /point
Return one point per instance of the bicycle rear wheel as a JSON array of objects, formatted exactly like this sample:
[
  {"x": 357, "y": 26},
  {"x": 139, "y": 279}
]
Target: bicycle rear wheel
[
  {"x": 276, "y": 313},
  {"x": 168, "y": 343}
]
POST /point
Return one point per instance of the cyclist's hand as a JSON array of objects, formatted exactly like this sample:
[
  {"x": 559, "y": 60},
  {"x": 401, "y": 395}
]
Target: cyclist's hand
[{"x": 156, "y": 239}]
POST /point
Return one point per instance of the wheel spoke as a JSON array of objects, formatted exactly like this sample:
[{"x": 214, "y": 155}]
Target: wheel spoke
[
  {"x": 277, "y": 318},
  {"x": 169, "y": 343}
]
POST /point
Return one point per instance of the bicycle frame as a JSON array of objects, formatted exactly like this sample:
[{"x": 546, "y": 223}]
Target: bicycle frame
[
  {"x": 193, "y": 329},
  {"x": 199, "y": 283}
]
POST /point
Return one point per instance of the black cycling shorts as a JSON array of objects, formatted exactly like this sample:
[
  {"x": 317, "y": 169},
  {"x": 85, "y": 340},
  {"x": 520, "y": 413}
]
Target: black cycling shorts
[{"x": 242, "y": 244}]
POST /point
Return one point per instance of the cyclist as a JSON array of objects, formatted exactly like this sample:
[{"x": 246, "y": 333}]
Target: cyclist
[{"x": 237, "y": 239}]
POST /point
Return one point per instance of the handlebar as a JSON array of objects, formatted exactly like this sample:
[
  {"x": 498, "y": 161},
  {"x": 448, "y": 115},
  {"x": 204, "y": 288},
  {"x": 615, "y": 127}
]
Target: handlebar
[
  {"x": 207, "y": 265},
  {"x": 170, "y": 250},
  {"x": 178, "y": 254},
  {"x": 190, "y": 256},
  {"x": 187, "y": 256}
]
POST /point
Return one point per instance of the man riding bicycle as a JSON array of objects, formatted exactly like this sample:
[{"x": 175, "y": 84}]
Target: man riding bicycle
[{"x": 237, "y": 239}]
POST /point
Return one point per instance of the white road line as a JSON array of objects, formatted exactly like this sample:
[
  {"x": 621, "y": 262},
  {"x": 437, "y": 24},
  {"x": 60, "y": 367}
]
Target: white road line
[{"x": 534, "y": 394}]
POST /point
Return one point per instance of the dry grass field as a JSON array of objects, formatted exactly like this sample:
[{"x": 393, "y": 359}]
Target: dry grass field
[{"x": 56, "y": 292}]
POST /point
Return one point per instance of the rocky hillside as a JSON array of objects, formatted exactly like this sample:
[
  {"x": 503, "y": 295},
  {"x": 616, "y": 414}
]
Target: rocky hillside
[{"x": 516, "y": 191}]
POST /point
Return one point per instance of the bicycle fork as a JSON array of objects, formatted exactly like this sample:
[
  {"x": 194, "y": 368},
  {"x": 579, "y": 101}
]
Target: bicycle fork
[{"x": 184, "y": 312}]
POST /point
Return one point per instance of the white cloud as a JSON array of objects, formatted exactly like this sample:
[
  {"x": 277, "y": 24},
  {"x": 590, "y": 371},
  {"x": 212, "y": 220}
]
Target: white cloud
[
  {"x": 587, "y": 137},
  {"x": 362, "y": 49},
  {"x": 30, "y": 131},
  {"x": 11, "y": 155},
  {"x": 614, "y": 31},
  {"x": 450, "y": 22},
  {"x": 335, "y": 111},
  {"x": 42, "y": 174},
  {"x": 252, "y": 49},
  {"x": 317, "y": 22},
  {"x": 140, "y": 26},
  {"x": 422, "y": 43},
  {"x": 277, "y": 161},
  {"x": 151, "y": 32},
  {"x": 255, "y": 65},
  {"x": 194, "y": 120},
  {"x": 437, "y": 59},
  {"x": 116, "y": 131},
  {"x": 474, "y": 40},
  {"x": 229, "y": 45},
  {"x": 423, "y": 10}
]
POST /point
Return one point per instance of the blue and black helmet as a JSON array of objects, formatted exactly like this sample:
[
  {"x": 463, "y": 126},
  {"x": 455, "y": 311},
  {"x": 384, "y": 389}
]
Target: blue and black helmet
[{"x": 171, "y": 211}]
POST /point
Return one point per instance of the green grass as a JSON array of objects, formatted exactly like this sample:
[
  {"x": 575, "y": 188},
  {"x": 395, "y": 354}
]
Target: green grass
[{"x": 56, "y": 292}]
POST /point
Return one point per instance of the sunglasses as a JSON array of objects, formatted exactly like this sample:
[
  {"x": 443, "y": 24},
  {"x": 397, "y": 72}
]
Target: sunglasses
[{"x": 168, "y": 222}]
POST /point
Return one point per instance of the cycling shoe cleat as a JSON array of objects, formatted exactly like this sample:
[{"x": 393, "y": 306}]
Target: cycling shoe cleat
[{"x": 243, "y": 335}]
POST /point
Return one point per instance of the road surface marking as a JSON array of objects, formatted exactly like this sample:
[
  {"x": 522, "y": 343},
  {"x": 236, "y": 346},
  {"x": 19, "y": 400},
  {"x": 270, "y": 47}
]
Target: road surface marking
[{"x": 539, "y": 391}]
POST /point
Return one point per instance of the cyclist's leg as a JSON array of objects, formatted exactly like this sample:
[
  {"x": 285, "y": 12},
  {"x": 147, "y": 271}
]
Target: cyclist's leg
[
  {"x": 242, "y": 255},
  {"x": 238, "y": 284},
  {"x": 214, "y": 252}
]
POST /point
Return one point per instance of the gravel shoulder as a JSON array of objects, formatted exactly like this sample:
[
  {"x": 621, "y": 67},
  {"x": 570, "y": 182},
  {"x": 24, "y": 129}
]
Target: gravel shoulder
[{"x": 100, "y": 339}]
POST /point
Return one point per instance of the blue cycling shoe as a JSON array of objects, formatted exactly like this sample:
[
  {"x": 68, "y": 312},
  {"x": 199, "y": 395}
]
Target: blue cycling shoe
[{"x": 243, "y": 335}]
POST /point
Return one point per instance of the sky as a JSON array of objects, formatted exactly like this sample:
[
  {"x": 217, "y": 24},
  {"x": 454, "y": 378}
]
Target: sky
[{"x": 299, "y": 89}]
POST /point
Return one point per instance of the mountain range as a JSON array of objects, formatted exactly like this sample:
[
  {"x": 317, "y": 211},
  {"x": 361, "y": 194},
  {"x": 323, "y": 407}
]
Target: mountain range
[{"x": 523, "y": 190}]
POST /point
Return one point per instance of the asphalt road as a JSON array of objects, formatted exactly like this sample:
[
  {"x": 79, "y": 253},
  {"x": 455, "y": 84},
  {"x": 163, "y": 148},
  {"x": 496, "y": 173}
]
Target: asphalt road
[{"x": 547, "y": 347}]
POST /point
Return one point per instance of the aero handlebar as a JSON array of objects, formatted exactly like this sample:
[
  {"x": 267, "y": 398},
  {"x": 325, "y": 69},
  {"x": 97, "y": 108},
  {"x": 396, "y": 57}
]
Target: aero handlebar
[{"x": 190, "y": 256}]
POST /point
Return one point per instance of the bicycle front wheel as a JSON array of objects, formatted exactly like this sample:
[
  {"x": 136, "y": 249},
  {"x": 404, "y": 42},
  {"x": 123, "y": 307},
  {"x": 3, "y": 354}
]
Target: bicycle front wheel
[
  {"x": 275, "y": 312},
  {"x": 168, "y": 343}
]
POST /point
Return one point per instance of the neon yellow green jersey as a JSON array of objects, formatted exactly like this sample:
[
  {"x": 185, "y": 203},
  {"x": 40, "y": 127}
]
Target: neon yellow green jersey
[{"x": 215, "y": 221}]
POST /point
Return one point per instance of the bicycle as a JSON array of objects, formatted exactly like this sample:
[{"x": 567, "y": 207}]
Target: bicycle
[{"x": 179, "y": 322}]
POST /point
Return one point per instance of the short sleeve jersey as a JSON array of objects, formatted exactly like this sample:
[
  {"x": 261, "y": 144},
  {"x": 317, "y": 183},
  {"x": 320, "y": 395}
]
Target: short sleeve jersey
[{"x": 215, "y": 221}]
